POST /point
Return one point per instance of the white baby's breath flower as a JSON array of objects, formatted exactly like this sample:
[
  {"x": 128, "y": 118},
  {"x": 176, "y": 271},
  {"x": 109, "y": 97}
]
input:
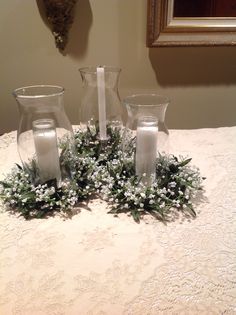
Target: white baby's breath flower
[{"x": 162, "y": 205}]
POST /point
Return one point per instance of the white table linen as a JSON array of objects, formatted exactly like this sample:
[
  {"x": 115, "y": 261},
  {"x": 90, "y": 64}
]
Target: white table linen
[{"x": 98, "y": 264}]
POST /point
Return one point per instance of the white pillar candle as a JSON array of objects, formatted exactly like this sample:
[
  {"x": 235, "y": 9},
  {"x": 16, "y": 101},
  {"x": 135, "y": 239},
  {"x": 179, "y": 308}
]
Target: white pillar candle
[
  {"x": 101, "y": 103},
  {"x": 146, "y": 150},
  {"x": 46, "y": 148}
]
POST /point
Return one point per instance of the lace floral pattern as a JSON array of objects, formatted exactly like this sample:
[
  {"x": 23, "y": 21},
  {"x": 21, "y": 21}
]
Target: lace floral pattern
[{"x": 97, "y": 264}]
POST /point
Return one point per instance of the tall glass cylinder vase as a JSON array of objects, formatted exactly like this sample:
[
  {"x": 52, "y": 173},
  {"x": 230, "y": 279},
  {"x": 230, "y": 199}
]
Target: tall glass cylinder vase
[
  {"x": 100, "y": 105},
  {"x": 45, "y": 135},
  {"x": 146, "y": 125}
]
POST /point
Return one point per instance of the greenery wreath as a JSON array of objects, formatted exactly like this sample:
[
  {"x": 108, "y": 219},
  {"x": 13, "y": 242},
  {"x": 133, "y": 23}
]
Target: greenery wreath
[{"x": 102, "y": 169}]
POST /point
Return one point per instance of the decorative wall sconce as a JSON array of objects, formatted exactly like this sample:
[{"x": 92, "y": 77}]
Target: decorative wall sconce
[{"x": 59, "y": 14}]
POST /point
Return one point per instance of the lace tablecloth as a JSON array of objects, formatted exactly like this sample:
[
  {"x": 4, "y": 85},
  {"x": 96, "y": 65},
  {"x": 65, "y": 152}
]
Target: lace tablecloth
[{"x": 95, "y": 263}]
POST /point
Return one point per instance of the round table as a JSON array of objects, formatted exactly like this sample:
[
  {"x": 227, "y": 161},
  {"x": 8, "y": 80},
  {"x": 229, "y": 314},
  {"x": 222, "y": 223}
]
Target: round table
[{"x": 98, "y": 264}]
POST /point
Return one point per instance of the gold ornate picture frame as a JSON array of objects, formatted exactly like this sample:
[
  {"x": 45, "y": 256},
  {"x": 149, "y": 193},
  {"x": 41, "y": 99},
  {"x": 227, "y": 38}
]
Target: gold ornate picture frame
[{"x": 165, "y": 29}]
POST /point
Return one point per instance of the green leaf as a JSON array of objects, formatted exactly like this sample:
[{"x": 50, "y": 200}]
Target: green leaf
[
  {"x": 136, "y": 215},
  {"x": 185, "y": 162},
  {"x": 113, "y": 211},
  {"x": 192, "y": 211},
  {"x": 28, "y": 195},
  {"x": 40, "y": 214},
  {"x": 5, "y": 184}
]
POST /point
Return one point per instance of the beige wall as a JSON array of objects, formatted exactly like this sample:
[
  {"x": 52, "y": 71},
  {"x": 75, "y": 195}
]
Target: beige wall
[{"x": 201, "y": 82}]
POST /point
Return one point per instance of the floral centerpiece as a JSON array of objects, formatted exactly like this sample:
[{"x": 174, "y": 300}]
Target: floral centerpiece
[{"x": 101, "y": 169}]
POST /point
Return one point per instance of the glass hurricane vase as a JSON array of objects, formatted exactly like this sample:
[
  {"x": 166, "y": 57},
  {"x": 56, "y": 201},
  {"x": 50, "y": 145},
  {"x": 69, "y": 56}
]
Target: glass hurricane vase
[
  {"x": 100, "y": 105},
  {"x": 146, "y": 125},
  {"x": 45, "y": 135}
]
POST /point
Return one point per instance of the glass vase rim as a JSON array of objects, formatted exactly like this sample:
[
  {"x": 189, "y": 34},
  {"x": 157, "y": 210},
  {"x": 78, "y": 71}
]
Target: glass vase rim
[
  {"x": 93, "y": 69},
  {"x": 19, "y": 92},
  {"x": 132, "y": 100}
]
